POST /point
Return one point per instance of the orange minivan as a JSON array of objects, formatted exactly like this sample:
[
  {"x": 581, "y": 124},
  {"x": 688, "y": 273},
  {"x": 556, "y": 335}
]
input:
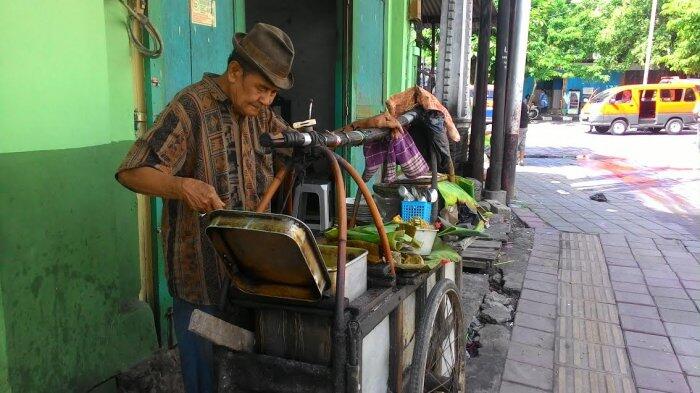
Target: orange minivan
[{"x": 654, "y": 107}]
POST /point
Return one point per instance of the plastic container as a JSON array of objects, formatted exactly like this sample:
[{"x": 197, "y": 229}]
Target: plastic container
[
  {"x": 426, "y": 238},
  {"x": 410, "y": 209}
]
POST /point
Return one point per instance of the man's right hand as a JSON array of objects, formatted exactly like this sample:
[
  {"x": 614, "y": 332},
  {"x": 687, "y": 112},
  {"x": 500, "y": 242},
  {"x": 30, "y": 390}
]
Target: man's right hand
[{"x": 199, "y": 196}]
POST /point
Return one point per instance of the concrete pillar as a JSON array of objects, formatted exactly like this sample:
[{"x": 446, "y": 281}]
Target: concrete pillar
[{"x": 454, "y": 54}]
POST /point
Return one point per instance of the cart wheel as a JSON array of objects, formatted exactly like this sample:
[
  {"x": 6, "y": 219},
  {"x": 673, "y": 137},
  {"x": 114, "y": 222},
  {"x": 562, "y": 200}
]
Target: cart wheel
[{"x": 440, "y": 354}]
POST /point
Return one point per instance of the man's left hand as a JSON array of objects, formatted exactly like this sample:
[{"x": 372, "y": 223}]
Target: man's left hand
[{"x": 382, "y": 120}]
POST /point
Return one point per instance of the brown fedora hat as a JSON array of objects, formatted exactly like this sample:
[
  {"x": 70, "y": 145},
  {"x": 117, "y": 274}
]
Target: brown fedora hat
[{"x": 270, "y": 50}]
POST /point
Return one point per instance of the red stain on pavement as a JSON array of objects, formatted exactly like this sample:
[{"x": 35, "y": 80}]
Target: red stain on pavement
[{"x": 634, "y": 176}]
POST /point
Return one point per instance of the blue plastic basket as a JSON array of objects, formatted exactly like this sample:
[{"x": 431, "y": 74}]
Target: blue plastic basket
[{"x": 410, "y": 209}]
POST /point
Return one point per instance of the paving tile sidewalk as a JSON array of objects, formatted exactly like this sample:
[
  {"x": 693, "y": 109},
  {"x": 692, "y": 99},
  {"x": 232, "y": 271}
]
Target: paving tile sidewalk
[{"x": 612, "y": 296}]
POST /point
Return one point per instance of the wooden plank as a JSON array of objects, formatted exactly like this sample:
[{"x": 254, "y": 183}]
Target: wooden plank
[
  {"x": 396, "y": 349},
  {"x": 143, "y": 202},
  {"x": 221, "y": 332},
  {"x": 471, "y": 264},
  {"x": 480, "y": 254},
  {"x": 482, "y": 243},
  {"x": 369, "y": 318},
  {"x": 458, "y": 275}
]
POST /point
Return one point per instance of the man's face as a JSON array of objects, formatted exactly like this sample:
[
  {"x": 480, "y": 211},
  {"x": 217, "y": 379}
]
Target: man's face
[{"x": 249, "y": 91}]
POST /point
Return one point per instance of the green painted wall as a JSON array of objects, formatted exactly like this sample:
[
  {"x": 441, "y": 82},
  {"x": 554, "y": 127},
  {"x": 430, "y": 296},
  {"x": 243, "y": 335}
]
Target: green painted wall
[
  {"x": 69, "y": 277},
  {"x": 4, "y": 377},
  {"x": 396, "y": 46}
]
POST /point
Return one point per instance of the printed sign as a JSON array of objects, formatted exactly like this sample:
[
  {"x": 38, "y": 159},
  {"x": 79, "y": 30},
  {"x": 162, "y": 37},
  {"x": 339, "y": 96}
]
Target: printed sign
[{"x": 203, "y": 12}]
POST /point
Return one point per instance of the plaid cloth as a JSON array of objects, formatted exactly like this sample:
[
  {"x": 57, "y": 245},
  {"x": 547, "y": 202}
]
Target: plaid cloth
[{"x": 401, "y": 150}]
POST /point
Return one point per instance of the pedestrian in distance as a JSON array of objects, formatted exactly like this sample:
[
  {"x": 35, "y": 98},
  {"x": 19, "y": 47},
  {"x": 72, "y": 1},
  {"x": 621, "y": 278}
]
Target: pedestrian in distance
[
  {"x": 522, "y": 131},
  {"x": 543, "y": 102}
]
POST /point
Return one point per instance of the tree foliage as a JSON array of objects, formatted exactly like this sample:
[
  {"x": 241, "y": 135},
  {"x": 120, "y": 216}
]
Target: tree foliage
[
  {"x": 587, "y": 38},
  {"x": 562, "y": 39},
  {"x": 623, "y": 37},
  {"x": 683, "y": 28}
]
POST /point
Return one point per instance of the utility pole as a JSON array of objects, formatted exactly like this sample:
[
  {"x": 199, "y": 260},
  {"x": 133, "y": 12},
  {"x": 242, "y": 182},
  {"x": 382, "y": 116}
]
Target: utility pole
[
  {"x": 516, "y": 76},
  {"x": 650, "y": 41},
  {"x": 475, "y": 163},
  {"x": 493, "y": 175}
]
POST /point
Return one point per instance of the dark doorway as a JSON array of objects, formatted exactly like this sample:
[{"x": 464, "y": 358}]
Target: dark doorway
[
  {"x": 313, "y": 27},
  {"x": 647, "y": 106}
]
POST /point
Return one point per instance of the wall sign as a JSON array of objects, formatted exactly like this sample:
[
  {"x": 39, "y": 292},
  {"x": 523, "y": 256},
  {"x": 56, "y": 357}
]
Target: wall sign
[{"x": 203, "y": 12}]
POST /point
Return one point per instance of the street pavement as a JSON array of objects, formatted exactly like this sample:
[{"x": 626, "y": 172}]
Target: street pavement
[{"x": 611, "y": 296}]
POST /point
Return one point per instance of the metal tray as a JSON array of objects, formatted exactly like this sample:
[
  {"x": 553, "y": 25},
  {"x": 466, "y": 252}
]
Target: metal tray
[{"x": 269, "y": 255}]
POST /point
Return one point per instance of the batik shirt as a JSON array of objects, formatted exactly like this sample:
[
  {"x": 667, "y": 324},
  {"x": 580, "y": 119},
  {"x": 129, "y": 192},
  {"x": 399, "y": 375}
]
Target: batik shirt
[{"x": 197, "y": 136}]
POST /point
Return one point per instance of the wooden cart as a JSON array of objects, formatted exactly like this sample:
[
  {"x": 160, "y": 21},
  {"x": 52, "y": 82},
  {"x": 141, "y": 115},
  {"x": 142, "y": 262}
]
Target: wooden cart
[{"x": 404, "y": 333}]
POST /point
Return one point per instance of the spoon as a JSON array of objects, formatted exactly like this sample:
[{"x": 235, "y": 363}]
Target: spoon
[
  {"x": 405, "y": 195},
  {"x": 416, "y": 194},
  {"x": 432, "y": 195}
]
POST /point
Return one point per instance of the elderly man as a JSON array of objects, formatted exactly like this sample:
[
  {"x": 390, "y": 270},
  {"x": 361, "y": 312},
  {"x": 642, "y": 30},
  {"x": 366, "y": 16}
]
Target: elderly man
[{"x": 202, "y": 154}]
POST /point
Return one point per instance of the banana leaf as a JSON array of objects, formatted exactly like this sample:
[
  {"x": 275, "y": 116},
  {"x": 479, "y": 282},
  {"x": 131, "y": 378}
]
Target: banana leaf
[
  {"x": 453, "y": 194},
  {"x": 462, "y": 232},
  {"x": 397, "y": 239},
  {"x": 466, "y": 184},
  {"x": 442, "y": 251}
]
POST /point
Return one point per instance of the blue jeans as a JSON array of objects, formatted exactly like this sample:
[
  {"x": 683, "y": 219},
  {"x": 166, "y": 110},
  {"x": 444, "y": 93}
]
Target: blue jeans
[{"x": 196, "y": 353}]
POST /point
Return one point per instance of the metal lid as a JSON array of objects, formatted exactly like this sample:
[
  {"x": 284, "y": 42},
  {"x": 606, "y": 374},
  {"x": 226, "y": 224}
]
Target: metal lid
[{"x": 269, "y": 255}]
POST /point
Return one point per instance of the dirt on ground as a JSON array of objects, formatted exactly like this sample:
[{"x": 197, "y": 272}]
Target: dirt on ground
[{"x": 491, "y": 319}]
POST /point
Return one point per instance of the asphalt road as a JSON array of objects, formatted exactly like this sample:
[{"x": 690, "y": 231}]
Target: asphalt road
[{"x": 659, "y": 170}]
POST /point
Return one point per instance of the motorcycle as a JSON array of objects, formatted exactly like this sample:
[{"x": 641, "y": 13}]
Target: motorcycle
[{"x": 533, "y": 112}]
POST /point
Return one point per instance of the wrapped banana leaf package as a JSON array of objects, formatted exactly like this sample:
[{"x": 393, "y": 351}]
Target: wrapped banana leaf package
[{"x": 402, "y": 242}]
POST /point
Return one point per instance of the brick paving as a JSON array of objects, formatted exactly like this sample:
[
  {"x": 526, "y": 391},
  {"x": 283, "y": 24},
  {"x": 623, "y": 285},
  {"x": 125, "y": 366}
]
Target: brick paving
[{"x": 612, "y": 290}]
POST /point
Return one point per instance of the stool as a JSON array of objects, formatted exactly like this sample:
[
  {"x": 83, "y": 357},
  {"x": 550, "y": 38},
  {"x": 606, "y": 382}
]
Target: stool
[{"x": 322, "y": 221}]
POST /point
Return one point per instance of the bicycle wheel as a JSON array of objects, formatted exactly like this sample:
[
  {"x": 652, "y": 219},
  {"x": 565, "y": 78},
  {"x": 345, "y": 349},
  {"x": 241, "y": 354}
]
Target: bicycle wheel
[{"x": 439, "y": 355}]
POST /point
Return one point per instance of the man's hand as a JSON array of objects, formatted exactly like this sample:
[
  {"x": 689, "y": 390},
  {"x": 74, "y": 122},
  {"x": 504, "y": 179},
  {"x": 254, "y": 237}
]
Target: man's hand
[
  {"x": 199, "y": 196},
  {"x": 382, "y": 120}
]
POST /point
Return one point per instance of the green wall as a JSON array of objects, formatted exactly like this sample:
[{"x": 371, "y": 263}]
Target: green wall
[
  {"x": 69, "y": 276},
  {"x": 396, "y": 46}
]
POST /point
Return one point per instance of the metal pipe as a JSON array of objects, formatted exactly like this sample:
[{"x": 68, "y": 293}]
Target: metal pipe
[
  {"x": 475, "y": 159},
  {"x": 493, "y": 175},
  {"x": 431, "y": 78},
  {"x": 650, "y": 42},
  {"x": 270, "y": 192},
  {"x": 434, "y": 181},
  {"x": 339, "y": 318},
  {"x": 383, "y": 239},
  {"x": 516, "y": 75},
  {"x": 335, "y": 138}
]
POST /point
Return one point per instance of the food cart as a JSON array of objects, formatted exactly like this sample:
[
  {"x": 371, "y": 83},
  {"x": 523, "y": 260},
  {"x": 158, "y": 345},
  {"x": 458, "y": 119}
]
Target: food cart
[{"x": 325, "y": 321}]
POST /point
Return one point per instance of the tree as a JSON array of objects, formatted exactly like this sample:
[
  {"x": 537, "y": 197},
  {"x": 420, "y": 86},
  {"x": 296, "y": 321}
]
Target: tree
[
  {"x": 683, "y": 27},
  {"x": 623, "y": 38},
  {"x": 562, "y": 39}
]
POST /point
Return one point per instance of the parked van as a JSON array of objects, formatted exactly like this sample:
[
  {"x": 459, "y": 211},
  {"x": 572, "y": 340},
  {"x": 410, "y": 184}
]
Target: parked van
[{"x": 654, "y": 107}]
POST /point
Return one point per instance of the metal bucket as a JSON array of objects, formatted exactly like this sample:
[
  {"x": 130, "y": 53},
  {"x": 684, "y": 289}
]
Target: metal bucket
[{"x": 355, "y": 269}]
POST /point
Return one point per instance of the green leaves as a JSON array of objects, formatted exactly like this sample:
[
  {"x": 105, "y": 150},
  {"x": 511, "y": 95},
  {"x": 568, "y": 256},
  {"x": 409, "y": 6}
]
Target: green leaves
[
  {"x": 562, "y": 39},
  {"x": 587, "y": 38},
  {"x": 683, "y": 28}
]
